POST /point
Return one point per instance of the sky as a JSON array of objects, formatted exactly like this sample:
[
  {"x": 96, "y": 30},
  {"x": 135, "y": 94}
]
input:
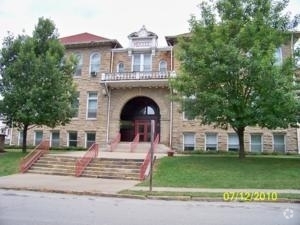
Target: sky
[{"x": 113, "y": 19}]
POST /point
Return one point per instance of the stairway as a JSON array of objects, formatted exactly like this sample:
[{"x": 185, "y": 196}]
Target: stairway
[
  {"x": 54, "y": 165},
  {"x": 128, "y": 169},
  {"x": 116, "y": 165}
]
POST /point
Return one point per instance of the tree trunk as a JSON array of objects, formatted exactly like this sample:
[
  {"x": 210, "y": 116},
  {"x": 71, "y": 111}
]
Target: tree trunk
[
  {"x": 240, "y": 133},
  {"x": 24, "y": 144}
]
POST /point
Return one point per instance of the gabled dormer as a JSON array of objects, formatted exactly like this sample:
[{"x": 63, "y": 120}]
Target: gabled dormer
[{"x": 142, "y": 40}]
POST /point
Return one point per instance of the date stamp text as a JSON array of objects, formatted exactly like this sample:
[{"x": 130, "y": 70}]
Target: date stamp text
[{"x": 250, "y": 196}]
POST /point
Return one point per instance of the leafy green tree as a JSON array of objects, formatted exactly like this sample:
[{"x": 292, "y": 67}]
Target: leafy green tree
[
  {"x": 36, "y": 86},
  {"x": 229, "y": 75}
]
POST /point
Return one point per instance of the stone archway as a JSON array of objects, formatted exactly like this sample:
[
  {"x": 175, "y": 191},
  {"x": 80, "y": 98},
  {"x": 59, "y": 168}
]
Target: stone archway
[{"x": 136, "y": 117}]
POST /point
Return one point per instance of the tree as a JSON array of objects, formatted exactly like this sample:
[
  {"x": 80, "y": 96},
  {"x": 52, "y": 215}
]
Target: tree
[
  {"x": 229, "y": 75},
  {"x": 36, "y": 86}
]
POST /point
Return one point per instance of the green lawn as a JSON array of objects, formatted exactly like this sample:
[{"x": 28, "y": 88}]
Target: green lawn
[
  {"x": 9, "y": 162},
  {"x": 210, "y": 171}
]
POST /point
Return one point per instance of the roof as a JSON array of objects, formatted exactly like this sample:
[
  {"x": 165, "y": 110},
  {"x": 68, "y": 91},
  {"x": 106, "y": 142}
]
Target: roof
[
  {"x": 86, "y": 38},
  {"x": 172, "y": 40},
  {"x": 81, "y": 38}
]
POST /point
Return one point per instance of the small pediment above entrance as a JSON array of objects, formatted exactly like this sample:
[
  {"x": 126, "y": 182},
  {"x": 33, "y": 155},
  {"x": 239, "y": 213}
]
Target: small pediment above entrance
[{"x": 143, "y": 39}]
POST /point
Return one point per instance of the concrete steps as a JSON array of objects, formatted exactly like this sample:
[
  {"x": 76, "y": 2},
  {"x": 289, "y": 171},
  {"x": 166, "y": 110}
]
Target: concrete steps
[
  {"x": 54, "y": 165},
  {"x": 113, "y": 168},
  {"x": 128, "y": 169}
]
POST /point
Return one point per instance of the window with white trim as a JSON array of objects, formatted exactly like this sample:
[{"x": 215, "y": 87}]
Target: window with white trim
[
  {"x": 72, "y": 139},
  {"x": 233, "y": 142},
  {"x": 20, "y": 138},
  {"x": 278, "y": 57},
  {"x": 75, "y": 105},
  {"x": 187, "y": 116},
  {"x": 141, "y": 62},
  {"x": 211, "y": 141},
  {"x": 187, "y": 113},
  {"x": 94, "y": 63},
  {"x": 90, "y": 138},
  {"x": 92, "y": 105},
  {"x": 163, "y": 66},
  {"x": 188, "y": 141},
  {"x": 279, "y": 143},
  {"x": 78, "y": 69},
  {"x": 38, "y": 137},
  {"x": 55, "y": 138},
  {"x": 255, "y": 142},
  {"x": 120, "y": 67}
]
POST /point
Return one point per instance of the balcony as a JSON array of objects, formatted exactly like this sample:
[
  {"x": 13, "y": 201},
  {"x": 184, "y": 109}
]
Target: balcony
[{"x": 137, "y": 79}]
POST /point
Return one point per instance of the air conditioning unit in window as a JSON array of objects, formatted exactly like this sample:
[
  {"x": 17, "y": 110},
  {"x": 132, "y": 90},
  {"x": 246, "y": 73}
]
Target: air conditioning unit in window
[{"x": 93, "y": 73}]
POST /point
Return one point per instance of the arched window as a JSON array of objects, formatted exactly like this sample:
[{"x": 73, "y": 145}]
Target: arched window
[
  {"x": 94, "y": 63},
  {"x": 120, "y": 67},
  {"x": 163, "y": 66},
  {"x": 78, "y": 70},
  {"x": 147, "y": 110}
]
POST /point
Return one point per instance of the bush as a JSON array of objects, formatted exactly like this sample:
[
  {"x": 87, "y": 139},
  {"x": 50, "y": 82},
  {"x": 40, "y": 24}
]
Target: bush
[
  {"x": 62, "y": 148},
  {"x": 68, "y": 148},
  {"x": 18, "y": 147}
]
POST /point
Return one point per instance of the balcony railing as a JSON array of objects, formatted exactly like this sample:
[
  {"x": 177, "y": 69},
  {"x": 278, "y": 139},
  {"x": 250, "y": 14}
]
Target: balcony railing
[{"x": 145, "y": 75}]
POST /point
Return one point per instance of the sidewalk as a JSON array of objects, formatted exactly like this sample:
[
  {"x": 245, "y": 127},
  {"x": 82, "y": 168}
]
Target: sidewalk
[
  {"x": 65, "y": 184},
  {"x": 108, "y": 187}
]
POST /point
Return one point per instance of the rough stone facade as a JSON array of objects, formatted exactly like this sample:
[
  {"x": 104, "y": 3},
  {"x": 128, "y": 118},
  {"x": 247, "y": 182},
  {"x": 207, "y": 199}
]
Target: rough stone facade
[{"x": 112, "y": 100}]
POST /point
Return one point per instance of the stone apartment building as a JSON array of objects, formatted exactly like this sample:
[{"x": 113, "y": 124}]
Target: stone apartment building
[{"x": 120, "y": 90}]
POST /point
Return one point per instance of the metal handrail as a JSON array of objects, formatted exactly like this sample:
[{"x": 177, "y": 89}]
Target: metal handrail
[
  {"x": 82, "y": 163},
  {"x": 146, "y": 163},
  {"x": 135, "y": 142},
  {"x": 33, "y": 156},
  {"x": 115, "y": 142}
]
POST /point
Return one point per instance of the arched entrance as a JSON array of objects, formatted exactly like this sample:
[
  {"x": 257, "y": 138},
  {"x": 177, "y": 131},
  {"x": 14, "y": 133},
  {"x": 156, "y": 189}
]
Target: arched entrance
[{"x": 136, "y": 118}]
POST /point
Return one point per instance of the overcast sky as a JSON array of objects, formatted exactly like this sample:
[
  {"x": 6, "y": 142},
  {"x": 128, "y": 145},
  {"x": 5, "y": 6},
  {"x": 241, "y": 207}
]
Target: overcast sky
[{"x": 114, "y": 19}]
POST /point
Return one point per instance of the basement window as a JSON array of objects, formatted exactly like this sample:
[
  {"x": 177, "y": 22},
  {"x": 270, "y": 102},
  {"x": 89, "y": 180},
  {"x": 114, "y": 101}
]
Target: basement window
[
  {"x": 38, "y": 137},
  {"x": 55, "y": 139},
  {"x": 211, "y": 141},
  {"x": 90, "y": 139},
  {"x": 189, "y": 141},
  {"x": 72, "y": 139},
  {"x": 233, "y": 142}
]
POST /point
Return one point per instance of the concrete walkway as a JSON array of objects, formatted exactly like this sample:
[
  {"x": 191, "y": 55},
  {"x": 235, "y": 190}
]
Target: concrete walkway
[
  {"x": 65, "y": 184},
  {"x": 102, "y": 187}
]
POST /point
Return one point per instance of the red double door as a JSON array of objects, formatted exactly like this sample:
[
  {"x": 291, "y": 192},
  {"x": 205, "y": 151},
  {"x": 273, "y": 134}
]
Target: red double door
[{"x": 143, "y": 127}]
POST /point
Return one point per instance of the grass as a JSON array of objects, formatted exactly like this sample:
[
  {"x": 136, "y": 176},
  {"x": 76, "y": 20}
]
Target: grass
[
  {"x": 194, "y": 195},
  {"x": 206, "y": 171},
  {"x": 227, "y": 171},
  {"x": 9, "y": 162}
]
